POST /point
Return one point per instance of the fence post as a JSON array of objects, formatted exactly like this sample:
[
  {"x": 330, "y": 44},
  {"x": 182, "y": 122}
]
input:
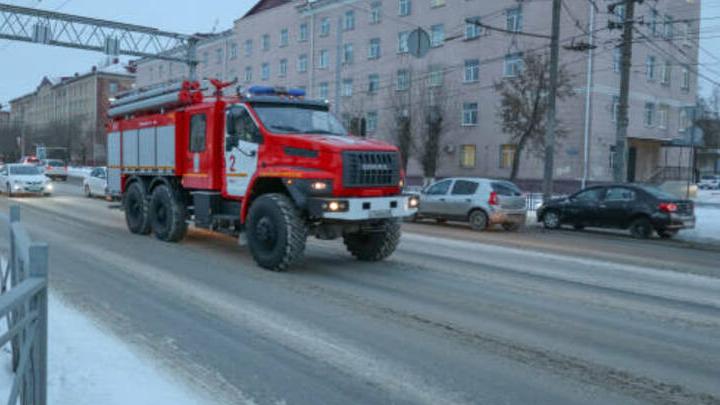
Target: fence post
[
  {"x": 17, "y": 340},
  {"x": 38, "y": 268}
]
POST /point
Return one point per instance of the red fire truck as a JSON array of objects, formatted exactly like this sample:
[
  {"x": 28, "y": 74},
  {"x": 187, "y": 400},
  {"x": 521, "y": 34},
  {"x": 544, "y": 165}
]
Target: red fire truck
[{"x": 266, "y": 165}]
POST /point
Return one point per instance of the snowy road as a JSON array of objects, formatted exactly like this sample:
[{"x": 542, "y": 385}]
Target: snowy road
[{"x": 454, "y": 317}]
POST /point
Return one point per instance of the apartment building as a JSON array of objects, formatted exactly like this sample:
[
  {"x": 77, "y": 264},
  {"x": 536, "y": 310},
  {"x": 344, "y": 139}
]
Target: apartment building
[
  {"x": 355, "y": 54},
  {"x": 71, "y": 111}
]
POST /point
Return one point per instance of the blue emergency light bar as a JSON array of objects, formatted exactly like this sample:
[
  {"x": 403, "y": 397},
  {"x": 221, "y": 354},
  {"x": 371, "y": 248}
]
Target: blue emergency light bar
[{"x": 274, "y": 91}]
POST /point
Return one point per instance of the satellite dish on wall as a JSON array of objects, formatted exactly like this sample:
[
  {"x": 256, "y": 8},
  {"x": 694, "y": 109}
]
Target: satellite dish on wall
[{"x": 418, "y": 43}]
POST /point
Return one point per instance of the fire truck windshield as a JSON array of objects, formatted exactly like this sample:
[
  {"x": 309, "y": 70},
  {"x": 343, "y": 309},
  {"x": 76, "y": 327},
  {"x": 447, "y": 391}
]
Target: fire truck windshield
[{"x": 298, "y": 119}]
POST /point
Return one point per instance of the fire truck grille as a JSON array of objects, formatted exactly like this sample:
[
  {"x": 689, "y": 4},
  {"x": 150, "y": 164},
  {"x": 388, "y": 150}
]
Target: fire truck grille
[{"x": 371, "y": 169}]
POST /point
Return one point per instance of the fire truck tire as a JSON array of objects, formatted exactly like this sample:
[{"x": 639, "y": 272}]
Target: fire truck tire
[
  {"x": 135, "y": 204},
  {"x": 276, "y": 232},
  {"x": 374, "y": 246},
  {"x": 168, "y": 217}
]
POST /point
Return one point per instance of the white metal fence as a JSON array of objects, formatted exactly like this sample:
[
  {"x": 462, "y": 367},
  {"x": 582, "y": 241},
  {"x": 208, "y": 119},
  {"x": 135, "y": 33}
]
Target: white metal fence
[{"x": 24, "y": 303}]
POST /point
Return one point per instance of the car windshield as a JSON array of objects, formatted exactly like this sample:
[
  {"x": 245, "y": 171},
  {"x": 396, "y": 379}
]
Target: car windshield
[
  {"x": 24, "y": 170},
  {"x": 658, "y": 193},
  {"x": 55, "y": 163},
  {"x": 298, "y": 119}
]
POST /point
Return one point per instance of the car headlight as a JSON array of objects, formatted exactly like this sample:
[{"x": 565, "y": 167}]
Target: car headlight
[
  {"x": 48, "y": 186},
  {"x": 413, "y": 202}
]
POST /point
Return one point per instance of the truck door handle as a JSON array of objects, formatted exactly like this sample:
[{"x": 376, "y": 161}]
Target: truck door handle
[{"x": 252, "y": 153}]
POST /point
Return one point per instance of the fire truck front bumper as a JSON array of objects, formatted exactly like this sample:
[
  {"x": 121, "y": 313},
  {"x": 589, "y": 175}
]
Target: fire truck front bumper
[{"x": 363, "y": 209}]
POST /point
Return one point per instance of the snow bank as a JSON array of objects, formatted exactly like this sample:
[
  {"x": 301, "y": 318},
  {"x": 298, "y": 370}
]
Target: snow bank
[
  {"x": 79, "y": 171},
  {"x": 88, "y": 366},
  {"x": 707, "y": 228},
  {"x": 706, "y": 197}
]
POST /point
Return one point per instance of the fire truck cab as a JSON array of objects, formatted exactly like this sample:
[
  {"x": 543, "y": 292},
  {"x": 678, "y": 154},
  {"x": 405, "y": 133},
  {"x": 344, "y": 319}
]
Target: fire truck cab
[{"x": 266, "y": 165}]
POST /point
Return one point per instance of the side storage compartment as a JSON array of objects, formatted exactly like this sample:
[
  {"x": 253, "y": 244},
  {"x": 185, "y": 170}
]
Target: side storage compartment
[{"x": 114, "y": 163}]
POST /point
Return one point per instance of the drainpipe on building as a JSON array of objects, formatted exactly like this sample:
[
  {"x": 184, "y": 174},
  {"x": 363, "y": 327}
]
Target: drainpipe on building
[
  {"x": 588, "y": 99},
  {"x": 338, "y": 67}
]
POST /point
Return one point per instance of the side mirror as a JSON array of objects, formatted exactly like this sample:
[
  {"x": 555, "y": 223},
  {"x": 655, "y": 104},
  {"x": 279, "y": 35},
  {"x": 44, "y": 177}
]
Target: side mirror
[{"x": 231, "y": 141}]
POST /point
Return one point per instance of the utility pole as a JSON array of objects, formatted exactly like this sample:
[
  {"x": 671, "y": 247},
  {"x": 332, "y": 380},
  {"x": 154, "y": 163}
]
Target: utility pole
[
  {"x": 587, "y": 133},
  {"x": 552, "y": 102},
  {"x": 621, "y": 150}
]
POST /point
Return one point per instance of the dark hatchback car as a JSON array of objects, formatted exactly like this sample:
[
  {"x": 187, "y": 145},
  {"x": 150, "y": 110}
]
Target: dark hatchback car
[{"x": 640, "y": 209}]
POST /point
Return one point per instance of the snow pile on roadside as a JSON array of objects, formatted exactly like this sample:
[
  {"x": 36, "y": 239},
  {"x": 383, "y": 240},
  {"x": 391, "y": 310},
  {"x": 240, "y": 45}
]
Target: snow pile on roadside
[
  {"x": 88, "y": 366},
  {"x": 707, "y": 228},
  {"x": 708, "y": 197}
]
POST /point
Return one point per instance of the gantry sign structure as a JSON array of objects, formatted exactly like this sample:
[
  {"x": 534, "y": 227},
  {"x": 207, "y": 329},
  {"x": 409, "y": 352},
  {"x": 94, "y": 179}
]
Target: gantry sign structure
[{"x": 110, "y": 37}]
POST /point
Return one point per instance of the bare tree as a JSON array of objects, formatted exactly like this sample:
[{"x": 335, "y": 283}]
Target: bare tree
[
  {"x": 10, "y": 133},
  {"x": 400, "y": 126},
  {"x": 524, "y": 103},
  {"x": 433, "y": 106}
]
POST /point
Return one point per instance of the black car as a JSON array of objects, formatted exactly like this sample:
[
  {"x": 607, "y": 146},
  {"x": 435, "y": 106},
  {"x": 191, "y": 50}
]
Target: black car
[{"x": 639, "y": 208}]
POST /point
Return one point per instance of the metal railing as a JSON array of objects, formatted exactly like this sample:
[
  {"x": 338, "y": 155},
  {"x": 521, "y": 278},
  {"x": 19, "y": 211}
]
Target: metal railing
[{"x": 24, "y": 303}]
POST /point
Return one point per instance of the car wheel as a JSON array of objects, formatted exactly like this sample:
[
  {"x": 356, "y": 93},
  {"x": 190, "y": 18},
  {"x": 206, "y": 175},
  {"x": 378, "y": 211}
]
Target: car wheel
[
  {"x": 667, "y": 234},
  {"x": 441, "y": 220},
  {"x": 579, "y": 227},
  {"x": 167, "y": 215},
  {"x": 511, "y": 227},
  {"x": 276, "y": 232},
  {"x": 88, "y": 193},
  {"x": 478, "y": 220},
  {"x": 641, "y": 228},
  {"x": 551, "y": 220}
]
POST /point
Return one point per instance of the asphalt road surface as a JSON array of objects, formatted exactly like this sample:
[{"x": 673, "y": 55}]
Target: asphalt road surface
[{"x": 454, "y": 317}]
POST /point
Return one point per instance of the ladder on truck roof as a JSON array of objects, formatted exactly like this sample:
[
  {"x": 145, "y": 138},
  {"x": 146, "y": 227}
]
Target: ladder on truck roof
[{"x": 156, "y": 99}]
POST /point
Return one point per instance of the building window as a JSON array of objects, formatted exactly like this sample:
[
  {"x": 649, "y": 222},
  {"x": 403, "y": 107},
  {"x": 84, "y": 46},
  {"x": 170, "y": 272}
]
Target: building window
[
  {"x": 437, "y": 3},
  {"x": 219, "y": 56},
  {"x": 513, "y": 64},
  {"x": 662, "y": 116},
  {"x": 325, "y": 27},
  {"x": 265, "y": 71},
  {"x": 324, "y": 90},
  {"x": 514, "y": 19},
  {"x": 668, "y": 27},
  {"x": 248, "y": 47},
  {"x": 113, "y": 88},
  {"x": 687, "y": 33},
  {"x": 685, "y": 78},
  {"x": 403, "y": 42},
  {"x": 666, "y": 73},
  {"x": 323, "y": 59},
  {"x": 349, "y": 20},
  {"x": 437, "y": 76},
  {"x": 347, "y": 87},
  {"x": 374, "y": 49},
  {"x": 347, "y": 56},
  {"x": 205, "y": 58},
  {"x": 684, "y": 123},
  {"x": 468, "y": 156},
  {"x": 404, "y": 8},
  {"x": 303, "y": 32},
  {"x": 283, "y": 68},
  {"x": 615, "y": 108},
  {"x": 248, "y": 74},
  {"x": 302, "y": 64},
  {"x": 371, "y": 121},
  {"x": 617, "y": 60},
  {"x": 470, "y": 114},
  {"x": 284, "y": 37},
  {"x": 403, "y": 80},
  {"x": 265, "y": 42},
  {"x": 233, "y": 51},
  {"x": 373, "y": 83},
  {"x": 472, "y": 30},
  {"x": 650, "y": 68},
  {"x": 649, "y": 118},
  {"x": 472, "y": 70},
  {"x": 507, "y": 156},
  {"x": 437, "y": 35},
  {"x": 375, "y": 12},
  {"x": 654, "y": 22}
]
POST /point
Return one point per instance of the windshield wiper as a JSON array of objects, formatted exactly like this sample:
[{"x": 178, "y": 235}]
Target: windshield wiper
[
  {"x": 321, "y": 132},
  {"x": 286, "y": 128}
]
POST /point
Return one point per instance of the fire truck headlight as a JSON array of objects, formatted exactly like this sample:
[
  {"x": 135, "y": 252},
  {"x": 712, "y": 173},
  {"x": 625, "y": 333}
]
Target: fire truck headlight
[
  {"x": 335, "y": 206},
  {"x": 319, "y": 186},
  {"x": 413, "y": 202},
  {"x": 402, "y": 183}
]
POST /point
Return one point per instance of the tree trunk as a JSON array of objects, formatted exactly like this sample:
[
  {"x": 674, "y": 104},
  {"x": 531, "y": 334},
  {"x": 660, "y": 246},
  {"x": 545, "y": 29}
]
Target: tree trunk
[{"x": 516, "y": 158}]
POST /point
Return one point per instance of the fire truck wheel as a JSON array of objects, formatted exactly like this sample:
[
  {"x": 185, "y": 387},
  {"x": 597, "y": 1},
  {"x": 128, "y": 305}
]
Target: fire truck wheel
[
  {"x": 276, "y": 232},
  {"x": 167, "y": 215},
  {"x": 135, "y": 205},
  {"x": 377, "y": 245}
]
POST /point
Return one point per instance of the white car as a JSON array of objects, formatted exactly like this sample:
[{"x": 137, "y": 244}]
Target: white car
[
  {"x": 24, "y": 179},
  {"x": 709, "y": 182},
  {"x": 95, "y": 184},
  {"x": 55, "y": 169}
]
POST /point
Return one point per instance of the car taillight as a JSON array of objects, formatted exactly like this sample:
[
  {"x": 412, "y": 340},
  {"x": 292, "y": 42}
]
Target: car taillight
[
  {"x": 493, "y": 199},
  {"x": 668, "y": 207}
]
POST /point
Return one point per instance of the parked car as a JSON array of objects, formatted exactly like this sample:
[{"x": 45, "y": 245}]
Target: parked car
[
  {"x": 481, "y": 202},
  {"x": 55, "y": 169},
  {"x": 30, "y": 160},
  {"x": 95, "y": 184},
  {"x": 709, "y": 182},
  {"x": 638, "y": 208},
  {"x": 24, "y": 179}
]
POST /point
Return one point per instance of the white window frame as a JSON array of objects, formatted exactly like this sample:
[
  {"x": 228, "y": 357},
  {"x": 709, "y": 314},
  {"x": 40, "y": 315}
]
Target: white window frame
[{"x": 470, "y": 116}]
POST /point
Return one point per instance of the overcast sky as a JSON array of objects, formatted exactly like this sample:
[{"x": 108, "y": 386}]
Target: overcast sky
[{"x": 22, "y": 66}]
